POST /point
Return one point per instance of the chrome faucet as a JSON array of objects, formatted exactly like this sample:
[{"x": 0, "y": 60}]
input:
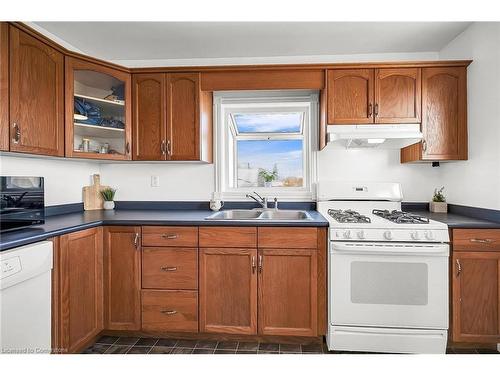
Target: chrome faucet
[{"x": 258, "y": 199}]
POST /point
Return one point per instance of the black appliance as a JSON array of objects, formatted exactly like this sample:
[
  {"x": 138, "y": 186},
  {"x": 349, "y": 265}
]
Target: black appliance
[{"x": 22, "y": 202}]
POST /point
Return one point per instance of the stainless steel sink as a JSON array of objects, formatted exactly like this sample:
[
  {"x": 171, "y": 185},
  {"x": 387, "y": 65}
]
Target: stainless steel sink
[
  {"x": 235, "y": 215},
  {"x": 273, "y": 215},
  {"x": 285, "y": 215}
]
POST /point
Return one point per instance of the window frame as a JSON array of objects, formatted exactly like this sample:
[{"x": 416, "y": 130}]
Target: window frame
[{"x": 228, "y": 103}]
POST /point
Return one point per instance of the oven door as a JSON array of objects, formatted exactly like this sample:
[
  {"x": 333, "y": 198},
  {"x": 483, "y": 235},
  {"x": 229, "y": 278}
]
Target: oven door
[{"x": 389, "y": 284}]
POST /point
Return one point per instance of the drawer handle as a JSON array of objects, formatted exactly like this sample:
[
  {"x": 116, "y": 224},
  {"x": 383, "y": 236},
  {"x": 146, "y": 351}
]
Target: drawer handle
[
  {"x": 168, "y": 269},
  {"x": 481, "y": 240},
  {"x": 168, "y": 312},
  {"x": 170, "y": 236}
]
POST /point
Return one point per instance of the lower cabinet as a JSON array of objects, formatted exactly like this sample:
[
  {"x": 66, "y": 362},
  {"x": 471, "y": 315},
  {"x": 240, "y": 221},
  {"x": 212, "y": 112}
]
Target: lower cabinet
[
  {"x": 228, "y": 290},
  {"x": 476, "y": 285},
  {"x": 122, "y": 278},
  {"x": 78, "y": 292},
  {"x": 287, "y": 292}
]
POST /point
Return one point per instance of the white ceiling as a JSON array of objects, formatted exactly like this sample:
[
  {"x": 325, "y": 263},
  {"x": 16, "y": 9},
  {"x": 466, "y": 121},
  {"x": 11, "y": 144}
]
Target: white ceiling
[{"x": 198, "y": 40}]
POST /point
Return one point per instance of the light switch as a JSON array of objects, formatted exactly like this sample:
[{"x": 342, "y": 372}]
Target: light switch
[{"x": 155, "y": 181}]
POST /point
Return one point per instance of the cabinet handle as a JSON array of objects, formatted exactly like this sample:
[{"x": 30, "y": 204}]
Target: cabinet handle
[
  {"x": 170, "y": 236},
  {"x": 481, "y": 240},
  {"x": 261, "y": 263},
  {"x": 424, "y": 145},
  {"x": 17, "y": 133},
  {"x": 370, "y": 110},
  {"x": 376, "y": 109},
  {"x": 127, "y": 147},
  {"x": 163, "y": 148},
  {"x": 136, "y": 240},
  {"x": 168, "y": 312},
  {"x": 169, "y": 151},
  {"x": 168, "y": 269},
  {"x": 254, "y": 266},
  {"x": 459, "y": 267}
]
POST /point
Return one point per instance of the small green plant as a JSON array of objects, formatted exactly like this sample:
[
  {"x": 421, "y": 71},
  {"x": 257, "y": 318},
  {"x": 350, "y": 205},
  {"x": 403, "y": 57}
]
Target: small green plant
[
  {"x": 438, "y": 195},
  {"x": 108, "y": 194},
  {"x": 268, "y": 176}
]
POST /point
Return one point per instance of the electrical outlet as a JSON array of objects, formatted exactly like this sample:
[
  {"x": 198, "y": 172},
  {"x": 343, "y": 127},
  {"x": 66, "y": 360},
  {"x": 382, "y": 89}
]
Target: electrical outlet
[{"x": 155, "y": 181}]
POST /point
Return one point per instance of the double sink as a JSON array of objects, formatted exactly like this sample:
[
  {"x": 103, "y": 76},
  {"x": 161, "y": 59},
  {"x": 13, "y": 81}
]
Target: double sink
[{"x": 257, "y": 214}]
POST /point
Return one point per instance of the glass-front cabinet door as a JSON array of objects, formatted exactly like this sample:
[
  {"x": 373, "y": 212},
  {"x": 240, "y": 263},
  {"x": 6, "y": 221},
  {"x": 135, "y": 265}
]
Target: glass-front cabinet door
[{"x": 98, "y": 111}]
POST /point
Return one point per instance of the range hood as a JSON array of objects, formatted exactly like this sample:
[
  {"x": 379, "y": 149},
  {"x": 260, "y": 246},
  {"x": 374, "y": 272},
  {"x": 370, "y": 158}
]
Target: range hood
[{"x": 387, "y": 136}]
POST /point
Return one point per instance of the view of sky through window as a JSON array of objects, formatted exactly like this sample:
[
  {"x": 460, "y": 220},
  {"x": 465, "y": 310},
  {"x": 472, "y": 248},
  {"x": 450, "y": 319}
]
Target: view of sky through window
[{"x": 268, "y": 123}]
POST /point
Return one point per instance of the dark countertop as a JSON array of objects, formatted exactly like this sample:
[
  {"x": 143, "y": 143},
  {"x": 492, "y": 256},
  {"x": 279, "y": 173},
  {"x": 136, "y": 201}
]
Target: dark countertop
[
  {"x": 454, "y": 220},
  {"x": 66, "y": 223}
]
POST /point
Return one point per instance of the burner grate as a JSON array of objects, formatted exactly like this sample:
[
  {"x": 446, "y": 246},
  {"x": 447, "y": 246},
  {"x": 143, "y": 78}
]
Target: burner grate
[
  {"x": 401, "y": 217},
  {"x": 348, "y": 216}
]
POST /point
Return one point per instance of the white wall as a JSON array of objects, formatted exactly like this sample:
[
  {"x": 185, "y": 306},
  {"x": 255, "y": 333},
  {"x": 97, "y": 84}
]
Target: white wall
[
  {"x": 64, "y": 179},
  {"x": 476, "y": 182}
]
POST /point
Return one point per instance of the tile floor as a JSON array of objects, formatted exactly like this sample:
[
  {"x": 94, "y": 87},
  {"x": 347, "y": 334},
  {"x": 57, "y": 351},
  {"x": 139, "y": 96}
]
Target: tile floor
[{"x": 147, "y": 345}]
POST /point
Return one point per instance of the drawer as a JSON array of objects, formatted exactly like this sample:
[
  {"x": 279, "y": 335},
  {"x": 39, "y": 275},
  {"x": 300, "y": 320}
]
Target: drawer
[
  {"x": 169, "y": 268},
  {"x": 170, "y": 236},
  {"x": 228, "y": 237},
  {"x": 476, "y": 239},
  {"x": 288, "y": 238},
  {"x": 170, "y": 310}
]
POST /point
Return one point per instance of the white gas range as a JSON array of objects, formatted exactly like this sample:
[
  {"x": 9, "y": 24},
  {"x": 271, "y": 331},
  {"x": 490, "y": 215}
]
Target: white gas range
[{"x": 387, "y": 272}]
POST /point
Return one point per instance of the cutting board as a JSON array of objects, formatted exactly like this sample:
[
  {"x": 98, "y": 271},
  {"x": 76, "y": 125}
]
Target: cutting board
[{"x": 92, "y": 199}]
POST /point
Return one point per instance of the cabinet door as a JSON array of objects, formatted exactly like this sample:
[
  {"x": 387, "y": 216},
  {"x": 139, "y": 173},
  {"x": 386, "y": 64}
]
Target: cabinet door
[
  {"x": 287, "y": 292},
  {"x": 476, "y": 300},
  {"x": 4, "y": 86},
  {"x": 183, "y": 116},
  {"x": 98, "y": 111},
  {"x": 350, "y": 96},
  {"x": 228, "y": 290},
  {"x": 149, "y": 109},
  {"x": 80, "y": 279},
  {"x": 122, "y": 278},
  {"x": 397, "y": 95},
  {"x": 36, "y": 96}
]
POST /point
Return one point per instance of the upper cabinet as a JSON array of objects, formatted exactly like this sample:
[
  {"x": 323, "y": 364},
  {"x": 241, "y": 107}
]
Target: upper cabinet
[
  {"x": 98, "y": 111},
  {"x": 4, "y": 86},
  {"x": 373, "y": 96},
  {"x": 172, "y": 117},
  {"x": 350, "y": 96},
  {"x": 397, "y": 96},
  {"x": 444, "y": 116},
  {"x": 36, "y": 96}
]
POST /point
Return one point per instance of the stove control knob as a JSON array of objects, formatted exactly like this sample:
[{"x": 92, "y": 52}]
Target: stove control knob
[
  {"x": 361, "y": 235},
  {"x": 388, "y": 235},
  {"x": 347, "y": 234},
  {"x": 429, "y": 235},
  {"x": 414, "y": 235}
]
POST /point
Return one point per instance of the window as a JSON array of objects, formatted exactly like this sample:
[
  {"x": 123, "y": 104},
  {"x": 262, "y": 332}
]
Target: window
[{"x": 264, "y": 143}]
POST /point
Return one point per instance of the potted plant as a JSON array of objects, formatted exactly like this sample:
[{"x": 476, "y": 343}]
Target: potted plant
[
  {"x": 108, "y": 195},
  {"x": 268, "y": 177},
  {"x": 438, "y": 203}
]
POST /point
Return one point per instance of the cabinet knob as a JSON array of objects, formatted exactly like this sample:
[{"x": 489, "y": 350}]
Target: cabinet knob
[
  {"x": 459, "y": 267},
  {"x": 424, "y": 145},
  {"x": 261, "y": 263},
  {"x": 376, "y": 109},
  {"x": 169, "y": 148},
  {"x": 136, "y": 240},
  {"x": 163, "y": 147},
  {"x": 127, "y": 147},
  {"x": 370, "y": 110}
]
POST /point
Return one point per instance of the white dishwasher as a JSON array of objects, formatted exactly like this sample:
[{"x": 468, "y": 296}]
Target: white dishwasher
[{"x": 25, "y": 299}]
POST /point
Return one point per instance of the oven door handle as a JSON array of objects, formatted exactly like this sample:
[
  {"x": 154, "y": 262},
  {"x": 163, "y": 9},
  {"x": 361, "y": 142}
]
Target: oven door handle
[{"x": 376, "y": 249}]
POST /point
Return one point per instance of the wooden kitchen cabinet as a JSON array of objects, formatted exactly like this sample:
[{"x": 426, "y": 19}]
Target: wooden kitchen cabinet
[
  {"x": 122, "y": 277},
  {"x": 228, "y": 290},
  {"x": 373, "y": 96},
  {"x": 36, "y": 97},
  {"x": 172, "y": 118},
  {"x": 350, "y": 96},
  {"x": 287, "y": 303},
  {"x": 149, "y": 123},
  {"x": 98, "y": 111},
  {"x": 397, "y": 95},
  {"x": 4, "y": 86},
  {"x": 444, "y": 116},
  {"x": 476, "y": 299},
  {"x": 78, "y": 296}
]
